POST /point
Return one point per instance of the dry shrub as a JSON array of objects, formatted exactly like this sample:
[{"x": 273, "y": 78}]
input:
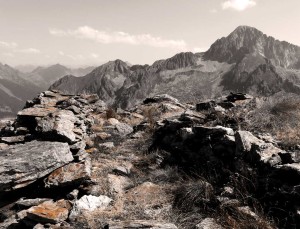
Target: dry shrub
[
  {"x": 111, "y": 113},
  {"x": 233, "y": 217},
  {"x": 193, "y": 195},
  {"x": 279, "y": 116},
  {"x": 149, "y": 113}
]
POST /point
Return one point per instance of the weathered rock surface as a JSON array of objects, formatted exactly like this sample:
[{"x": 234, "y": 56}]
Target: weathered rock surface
[
  {"x": 22, "y": 164},
  {"x": 13, "y": 140},
  {"x": 89, "y": 203},
  {"x": 69, "y": 174},
  {"x": 256, "y": 150},
  {"x": 26, "y": 203},
  {"x": 50, "y": 212},
  {"x": 60, "y": 123},
  {"x": 140, "y": 224}
]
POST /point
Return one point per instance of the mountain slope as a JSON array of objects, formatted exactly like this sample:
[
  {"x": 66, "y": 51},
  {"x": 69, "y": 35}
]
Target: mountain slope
[
  {"x": 14, "y": 91},
  {"x": 104, "y": 81},
  {"x": 45, "y": 76},
  {"x": 247, "y": 60}
]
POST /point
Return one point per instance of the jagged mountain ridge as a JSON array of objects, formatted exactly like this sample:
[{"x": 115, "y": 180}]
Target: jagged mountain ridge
[
  {"x": 248, "y": 40},
  {"x": 247, "y": 60}
]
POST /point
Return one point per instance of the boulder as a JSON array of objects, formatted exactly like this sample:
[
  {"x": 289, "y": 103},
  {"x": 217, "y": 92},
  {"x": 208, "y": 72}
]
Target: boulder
[
  {"x": 50, "y": 212},
  {"x": 137, "y": 224},
  {"x": 192, "y": 116},
  {"x": 89, "y": 203},
  {"x": 205, "y": 105},
  {"x": 123, "y": 170},
  {"x": 22, "y": 164},
  {"x": 255, "y": 150},
  {"x": 238, "y": 96},
  {"x": 161, "y": 98},
  {"x": 226, "y": 105},
  {"x": 112, "y": 122},
  {"x": 60, "y": 123},
  {"x": 123, "y": 129},
  {"x": 72, "y": 173}
]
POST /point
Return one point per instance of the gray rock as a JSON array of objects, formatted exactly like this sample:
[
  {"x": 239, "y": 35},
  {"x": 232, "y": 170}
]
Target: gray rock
[
  {"x": 106, "y": 145},
  {"x": 218, "y": 131},
  {"x": 89, "y": 203},
  {"x": 73, "y": 173},
  {"x": 205, "y": 105},
  {"x": 36, "y": 112},
  {"x": 22, "y": 164},
  {"x": 160, "y": 98},
  {"x": 26, "y": 203},
  {"x": 60, "y": 123},
  {"x": 238, "y": 96},
  {"x": 192, "y": 116},
  {"x": 123, "y": 170},
  {"x": 13, "y": 139},
  {"x": 123, "y": 129},
  {"x": 256, "y": 150},
  {"x": 74, "y": 109},
  {"x": 136, "y": 224}
]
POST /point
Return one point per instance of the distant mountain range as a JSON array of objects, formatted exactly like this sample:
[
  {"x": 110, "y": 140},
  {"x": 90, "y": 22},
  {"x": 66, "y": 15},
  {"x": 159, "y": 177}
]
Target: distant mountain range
[
  {"x": 246, "y": 61},
  {"x": 45, "y": 76},
  {"x": 16, "y": 87}
]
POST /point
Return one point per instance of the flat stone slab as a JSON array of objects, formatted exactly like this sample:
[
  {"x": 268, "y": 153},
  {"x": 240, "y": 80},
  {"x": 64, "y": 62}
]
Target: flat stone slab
[
  {"x": 22, "y": 164},
  {"x": 69, "y": 174},
  {"x": 37, "y": 111},
  {"x": 50, "y": 212},
  {"x": 13, "y": 139},
  {"x": 141, "y": 224}
]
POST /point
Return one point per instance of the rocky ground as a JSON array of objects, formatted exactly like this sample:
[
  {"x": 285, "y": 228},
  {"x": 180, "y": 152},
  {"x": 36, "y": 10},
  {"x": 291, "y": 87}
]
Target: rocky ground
[{"x": 72, "y": 162}]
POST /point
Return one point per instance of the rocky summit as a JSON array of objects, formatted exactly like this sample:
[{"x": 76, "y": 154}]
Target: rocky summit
[{"x": 72, "y": 161}]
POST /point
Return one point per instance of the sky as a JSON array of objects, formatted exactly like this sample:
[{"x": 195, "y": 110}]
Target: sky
[{"x": 91, "y": 32}]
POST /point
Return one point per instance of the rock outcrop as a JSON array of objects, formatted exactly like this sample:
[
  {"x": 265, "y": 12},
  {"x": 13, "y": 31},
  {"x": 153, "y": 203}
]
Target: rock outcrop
[
  {"x": 23, "y": 164},
  {"x": 71, "y": 162}
]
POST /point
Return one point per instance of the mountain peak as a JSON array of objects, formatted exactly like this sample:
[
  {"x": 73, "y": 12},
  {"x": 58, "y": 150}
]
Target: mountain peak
[
  {"x": 245, "y": 28},
  {"x": 112, "y": 66},
  {"x": 246, "y": 40}
]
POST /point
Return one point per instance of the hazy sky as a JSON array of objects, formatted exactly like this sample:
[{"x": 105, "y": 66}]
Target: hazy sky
[{"x": 90, "y": 32}]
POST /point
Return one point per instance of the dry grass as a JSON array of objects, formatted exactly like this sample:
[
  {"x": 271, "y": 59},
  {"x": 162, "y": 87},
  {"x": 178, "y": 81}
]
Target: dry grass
[{"x": 279, "y": 116}]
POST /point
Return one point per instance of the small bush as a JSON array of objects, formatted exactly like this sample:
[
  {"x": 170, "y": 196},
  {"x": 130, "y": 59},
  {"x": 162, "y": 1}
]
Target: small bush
[
  {"x": 193, "y": 195},
  {"x": 149, "y": 114},
  {"x": 111, "y": 113}
]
